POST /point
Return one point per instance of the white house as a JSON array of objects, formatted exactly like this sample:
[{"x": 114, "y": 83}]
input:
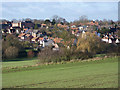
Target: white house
[
  {"x": 2, "y": 31},
  {"x": 56, "y": 47},
  {"x": 73, "y": 26},
  {"x": 9, "y": 31},
  {"x": 105, "y": 39},
  {"x": 83, "y": 34},
  {"x": 17, "y": 31},
  {"x": 117, "y": 41},
  {"x": 47, "y": 43},
  {"x": 80, "y": 28},
  {"x": 22, "y": 37},
  {"x": 109, "y": 41}
]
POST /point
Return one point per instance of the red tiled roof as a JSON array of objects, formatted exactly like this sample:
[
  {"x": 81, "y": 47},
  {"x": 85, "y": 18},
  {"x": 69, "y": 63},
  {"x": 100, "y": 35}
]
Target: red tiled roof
[
  {"x": 27, "y": 35},
  {"x": 74, "y": 28},
  {"x": 22, "y": 34},
  {"x": 57, "y": 40},
  {"x": 105, "y": 38},
  {"x": 40, "y": 38},
  {"x": 34, "y": 38},
  {"x": 25, "y": 29}
]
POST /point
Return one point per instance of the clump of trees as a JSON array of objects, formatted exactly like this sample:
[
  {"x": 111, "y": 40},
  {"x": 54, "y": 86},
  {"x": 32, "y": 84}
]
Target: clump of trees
[
  {"x": 47, "y": 55},
  {"x": 10, "y": 47},
  {"x": 90, "y": 43},
  {"x": 11, "y": 52}
]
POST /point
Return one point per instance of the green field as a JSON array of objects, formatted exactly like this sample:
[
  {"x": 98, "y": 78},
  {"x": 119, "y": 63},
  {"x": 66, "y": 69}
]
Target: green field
[
  {"x": 88, "y": 74},
  {"x": 18, "y": 63}
]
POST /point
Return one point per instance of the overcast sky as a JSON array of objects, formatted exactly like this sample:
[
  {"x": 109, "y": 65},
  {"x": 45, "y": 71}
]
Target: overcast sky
[{"x": 68, "y": 10}]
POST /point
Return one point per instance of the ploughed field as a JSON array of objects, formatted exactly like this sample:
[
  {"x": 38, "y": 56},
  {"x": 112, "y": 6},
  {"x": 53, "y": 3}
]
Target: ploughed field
[{"x": 88, "y": 74}]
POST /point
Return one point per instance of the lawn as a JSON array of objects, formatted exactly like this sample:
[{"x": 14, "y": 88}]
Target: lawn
[{"x": 88, "y": 74}]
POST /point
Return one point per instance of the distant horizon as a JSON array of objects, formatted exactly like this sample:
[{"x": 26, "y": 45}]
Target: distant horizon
[
  {"x": 71, "y": 11},
  {"x": 50, "y": 20}
]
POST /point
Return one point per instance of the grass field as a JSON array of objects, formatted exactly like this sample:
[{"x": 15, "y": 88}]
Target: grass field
[
  {"x": 18, "y": 63},
  {"x": 88, "y": 74}
]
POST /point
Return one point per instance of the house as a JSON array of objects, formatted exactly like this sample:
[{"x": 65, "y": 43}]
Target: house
[
  {"x": 48, "y": 43},
  {"x": 93, "y": 23},
  {"x": 3, "y": 31},
  {"x": 59, "y": 25},
  {"x": 73, "y": 26},
  {"x": 80, "y": 28},
  {"x": 27, "y": 35},
  {"x": 40, "y": 40},
  {"x": 11, "y": 30},
  {"x": 55, "y": 47},
  {"x": 73, "y": 32},
  {"x": 35, "y": 39},
  {"x": 17, "y": 31},
  {"x": 27, "y": 31},
  {"x": 15, "y": 24},
  {"x": 43, "y": 25},
  {"x": 18, "y": 24},
  {"x": 22, "y": 36},
  {"x": 34, "y": 33},
  {"x": 109, "y": 40},
  {"x": 105, "y": 39},
  {"x": 117, "y": 41},
  {"x": 83, "y": 34},
  {"x": 84, "y": 27},
  {"x": 63, "y": 26}
]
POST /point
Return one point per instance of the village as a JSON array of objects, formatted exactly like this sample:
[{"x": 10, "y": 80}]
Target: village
[{"x": 26, "y": 32}]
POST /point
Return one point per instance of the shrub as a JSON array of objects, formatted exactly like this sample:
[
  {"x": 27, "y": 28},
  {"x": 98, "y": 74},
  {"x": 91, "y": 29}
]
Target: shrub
[
  {"x": 45, "y": 55},
  {"x": 30, "y": 54},
  {"x": 22, "y": 54},
  {"x": 48, "y": 55}
]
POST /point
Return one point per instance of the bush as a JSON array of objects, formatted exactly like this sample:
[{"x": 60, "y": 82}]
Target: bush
[
  {"x": 44, "y": 55},
  {"x": 30, "y": 54},
  {"x": 48, "y": 55},
  {"x": 22, "y": 54}
]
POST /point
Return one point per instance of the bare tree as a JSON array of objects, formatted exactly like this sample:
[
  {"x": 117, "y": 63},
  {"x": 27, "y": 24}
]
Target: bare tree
[
  {"x": 59, "y": 19},
  {"x": 83, "y": 19},
  {"x": 11, "y": 52}
]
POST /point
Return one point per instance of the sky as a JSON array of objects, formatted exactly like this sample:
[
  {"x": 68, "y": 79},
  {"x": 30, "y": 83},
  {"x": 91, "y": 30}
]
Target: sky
[{"x": 69, "y": 10}]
